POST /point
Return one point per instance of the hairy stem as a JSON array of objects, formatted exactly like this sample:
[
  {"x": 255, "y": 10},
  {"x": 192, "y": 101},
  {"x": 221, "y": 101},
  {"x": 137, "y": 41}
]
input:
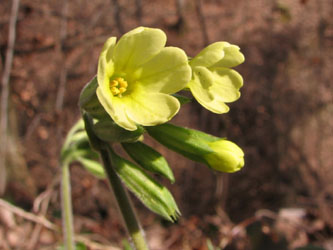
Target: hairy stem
[
  {"x": 125, "y": 206},
  {"x": 124, "y": 203}
]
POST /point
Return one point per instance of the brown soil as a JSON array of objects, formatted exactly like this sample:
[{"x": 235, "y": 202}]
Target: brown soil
[{"x": 282, "y": 199}]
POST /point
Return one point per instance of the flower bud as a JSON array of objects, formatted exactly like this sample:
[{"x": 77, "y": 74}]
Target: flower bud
[
  {"x": 219, "y": 154},
  {"x": 227, "y": 156}
]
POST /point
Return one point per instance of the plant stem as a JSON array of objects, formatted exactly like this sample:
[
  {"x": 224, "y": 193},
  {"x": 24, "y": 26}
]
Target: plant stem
[
  {"x": 124, "y": 203},
  {"x": 66, "y": 203},
  {"x": 125, "y": 206}
]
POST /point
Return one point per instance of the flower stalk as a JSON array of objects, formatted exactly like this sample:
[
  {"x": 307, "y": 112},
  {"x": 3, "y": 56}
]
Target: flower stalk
[
  {"x": 124, "y": 203},
  {"x": 66, "y": 202}
]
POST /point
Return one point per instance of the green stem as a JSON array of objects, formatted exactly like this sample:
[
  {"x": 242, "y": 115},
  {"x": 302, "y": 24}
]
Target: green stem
[
  {"x": 67, "y": 214},
  {"x": 125, "y": 206},
  {"x": 124, "y": 203}
]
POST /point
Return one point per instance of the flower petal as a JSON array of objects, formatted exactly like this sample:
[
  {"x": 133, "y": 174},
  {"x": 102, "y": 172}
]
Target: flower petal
[
  {"x": 200, "y": 86},
  {"x": 116, "y": 108},
  {"x": 149, "y": 109},
  {"x": 227, "y": 83},
  {"x": 137, "y": 47},
  {"x": 209, "y": 55},
  {"x": 167, "y": 72},
  {"x": 219, "y": 54},
  {"x": 105, "y": 64},
  {"x": 232, "y": 57},
  {"x": 212, "y": 89},
  {"x": 206, "y": 99},
  {"x": 108, "y": 48}
]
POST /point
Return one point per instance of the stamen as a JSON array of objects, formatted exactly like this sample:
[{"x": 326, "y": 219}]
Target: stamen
[
  {"x": 115, "y": 91},
  {"x": 114, "y": 83},
  {"x": 122, "y": 90},
  {"x": 118, "y": 86}
]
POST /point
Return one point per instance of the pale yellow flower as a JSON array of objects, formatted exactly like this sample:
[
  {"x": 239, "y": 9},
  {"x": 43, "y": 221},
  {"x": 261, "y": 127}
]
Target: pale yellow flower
[
  {"x": 213, "y": 83},
  {"x": 136, "y": 76}
]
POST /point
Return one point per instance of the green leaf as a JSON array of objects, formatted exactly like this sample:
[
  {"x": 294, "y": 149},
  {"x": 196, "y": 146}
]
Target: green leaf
[
  {"x": 71, "y": 138},
  {"x": 149, "y": 159},
  {"x": 107, "y": 130},
  {"x": 80, "y": 246},
  {"x": 151, "y": 193},
  {"x": 78, "y": 141},
  {"x": 77, "y": 144},
  {"x": 92, "y": 167},
  {"x": 77, "y": 148}
]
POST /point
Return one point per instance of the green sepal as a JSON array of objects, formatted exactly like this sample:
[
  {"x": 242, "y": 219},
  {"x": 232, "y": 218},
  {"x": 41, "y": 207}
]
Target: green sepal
[
  {"x": 109, "y": 131},
  {"x": 182, "y": 99},
  {"x": 149, "y": 159},
  {"x": 187, "y": 142},
  {"x": 93, "y": 167},
  {"x": 89, "y": 102},
  {"x": 151, "y": 193}
]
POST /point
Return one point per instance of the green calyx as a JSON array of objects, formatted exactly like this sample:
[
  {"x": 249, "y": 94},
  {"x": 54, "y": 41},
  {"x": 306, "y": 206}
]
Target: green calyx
[
  {"x": 151, "y": 193},
  {"x": 217, "y": 153},
  {"x": 109, "y": 131},
  {"x": 149, "y": 159}
]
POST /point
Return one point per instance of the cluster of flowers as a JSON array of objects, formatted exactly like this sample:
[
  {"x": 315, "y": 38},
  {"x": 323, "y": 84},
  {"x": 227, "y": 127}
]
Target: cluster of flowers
[
  {"x": 138, "y": 75},
  {"x": 135, "y": 91}
]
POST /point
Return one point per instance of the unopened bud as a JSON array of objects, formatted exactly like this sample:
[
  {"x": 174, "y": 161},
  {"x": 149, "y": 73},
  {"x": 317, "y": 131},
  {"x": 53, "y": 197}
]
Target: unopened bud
[
  {"x": 217, "y": 153},
  {"x": 227, "y": 156}
]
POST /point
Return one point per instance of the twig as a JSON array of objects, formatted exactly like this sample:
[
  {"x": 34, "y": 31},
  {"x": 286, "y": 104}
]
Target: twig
[
  {"x": 180, "y": 24},
  {"x": 221, "y": 190},
  {"x": 138, "y": 11},
  {"x": 29, "y": 216},
  {"x": 202, "y": 22},
  {"x": 3, "y": 243},
  {"x": 41, "y": 205},
  {"x": 44, "y": 195},
  {"x": 117, "y": 17},
  {"x": 94, "y": 245},
  {"x": 44, "y": 222},
  {"x": 32, "y": 126},
  {"x": 5, "y": 93},
  {"x": 38, "y": 227},
  {"x": 63, "y": 72}
]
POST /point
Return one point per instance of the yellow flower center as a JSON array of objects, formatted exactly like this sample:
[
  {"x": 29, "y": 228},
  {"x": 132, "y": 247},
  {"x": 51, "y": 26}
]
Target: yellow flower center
[{"x": 118, "y": 86}]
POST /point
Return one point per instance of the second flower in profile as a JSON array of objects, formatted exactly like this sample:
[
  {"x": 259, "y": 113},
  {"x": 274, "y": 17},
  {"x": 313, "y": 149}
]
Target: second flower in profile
[{"x": 213, "y": 82}]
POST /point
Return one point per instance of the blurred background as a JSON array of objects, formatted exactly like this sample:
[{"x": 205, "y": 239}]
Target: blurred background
[{"x": 281, "y": 199}]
